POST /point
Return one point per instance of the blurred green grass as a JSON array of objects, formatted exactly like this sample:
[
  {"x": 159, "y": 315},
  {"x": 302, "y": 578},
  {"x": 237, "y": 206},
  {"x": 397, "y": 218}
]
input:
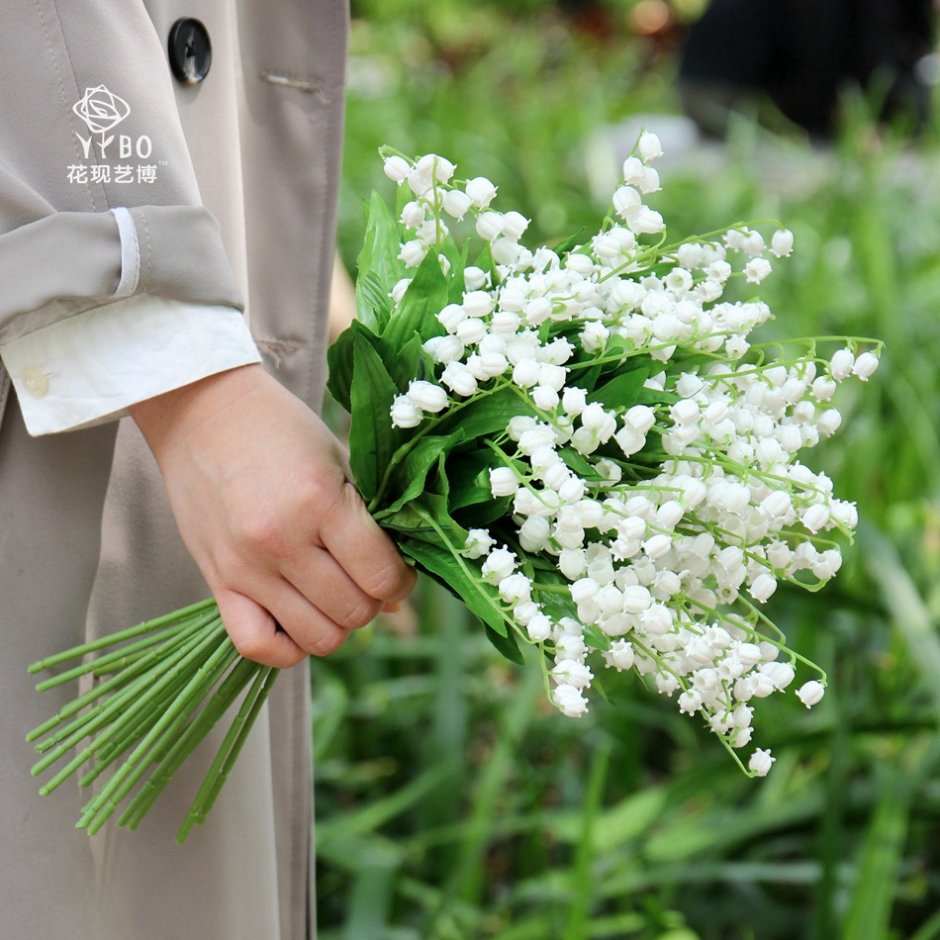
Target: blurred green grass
[{"x": 452, "y": 802}]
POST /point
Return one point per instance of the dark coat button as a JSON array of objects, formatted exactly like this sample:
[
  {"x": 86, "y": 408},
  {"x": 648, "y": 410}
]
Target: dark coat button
[{"x": 190, "y": 51}]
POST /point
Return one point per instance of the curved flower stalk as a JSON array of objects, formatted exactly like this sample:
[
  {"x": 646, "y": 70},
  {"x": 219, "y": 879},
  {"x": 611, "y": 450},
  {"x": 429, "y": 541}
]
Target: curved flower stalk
[{"x": 580, "y": 441}]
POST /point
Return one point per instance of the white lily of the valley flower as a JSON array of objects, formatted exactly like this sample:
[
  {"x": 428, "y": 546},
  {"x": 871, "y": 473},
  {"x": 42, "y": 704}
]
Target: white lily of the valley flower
[
  {"x": 481, "y": 191},
  {"x": 761, "y": 761},
  {"x": 396, "y": 169},
  {"x": 427, "y": 396},
  {"x": 811, "y": 693}
]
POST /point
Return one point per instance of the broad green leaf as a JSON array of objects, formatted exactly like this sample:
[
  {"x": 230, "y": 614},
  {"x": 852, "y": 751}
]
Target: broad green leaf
[
  {"x": 373, "y": 304},
  {"x": 485, "y": 511},
  {"x": 407, "y": 362},
  {"x": 455, "y": 276},
  {"x": 571, "y": 242},
  {"x": 484, "y": 260},
  {"x": 339, "y": 357},
  {"x": 435, "y": 505},
  {"x": 652, "y": 396},
  {"x": 596, "y": 637},
  {"x": 469, "y": 475},
  {"x": 414, "y": 468},
  {"x": 586, "y": 378},
  {"x": 425, "y": 297},
  {"x": 579, "y": 463},
  {"x": 471, "y": 500},
  {"x": 378, "y": 267},
  {"x": 506, "y": 644},
  {"x": 487, "y": 415},
  {"x": 407, "y": 520},
  {"x": 372, "y": 439},
  {"x": 622, "y": 391},
  {"x": 481, "y": 598}
]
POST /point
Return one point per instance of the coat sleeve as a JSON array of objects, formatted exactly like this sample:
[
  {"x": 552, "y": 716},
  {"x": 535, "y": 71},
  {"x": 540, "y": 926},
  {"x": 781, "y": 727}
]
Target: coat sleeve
[{"x": 115, "y": 281}]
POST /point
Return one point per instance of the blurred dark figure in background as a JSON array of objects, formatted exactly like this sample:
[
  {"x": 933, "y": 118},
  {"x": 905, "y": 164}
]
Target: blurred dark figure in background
[{"x": 801, "y": 54}]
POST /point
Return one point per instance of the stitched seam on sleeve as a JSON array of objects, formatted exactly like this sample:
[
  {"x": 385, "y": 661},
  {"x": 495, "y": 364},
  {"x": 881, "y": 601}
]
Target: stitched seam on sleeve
[
  {"x": 58, "y": 74},
  {"x": 146, "y": 264}
]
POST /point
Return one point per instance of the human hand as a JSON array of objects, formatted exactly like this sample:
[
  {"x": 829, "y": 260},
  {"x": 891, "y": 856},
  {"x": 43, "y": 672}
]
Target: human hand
[{"x": 262, "y": 497}]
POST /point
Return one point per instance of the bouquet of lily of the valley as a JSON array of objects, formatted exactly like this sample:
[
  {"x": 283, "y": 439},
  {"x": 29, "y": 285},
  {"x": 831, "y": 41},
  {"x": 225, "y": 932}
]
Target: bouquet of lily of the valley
[{"x": 580, "y": 441}]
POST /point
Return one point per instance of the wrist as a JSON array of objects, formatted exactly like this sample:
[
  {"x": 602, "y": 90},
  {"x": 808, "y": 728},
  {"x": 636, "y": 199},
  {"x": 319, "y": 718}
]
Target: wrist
[{"x": 176, "y": 413}]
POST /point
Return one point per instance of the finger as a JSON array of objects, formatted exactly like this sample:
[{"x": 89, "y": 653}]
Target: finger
[
  {"x": 320, "y": 579},
  {"x": 363, "y": 550},
  {"x": 308, "y": 627},
  {"x": 254, "y": 632}
]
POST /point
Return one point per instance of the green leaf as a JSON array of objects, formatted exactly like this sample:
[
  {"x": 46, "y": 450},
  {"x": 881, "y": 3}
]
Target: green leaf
[
  {"x": 596, "y": 637},
  {"x": 339, "y": 358},
  {"x": 579, "y": 464},
  {"x": 569, "y": 243},
  {"x": 506, "y": 645},
  {"x": 373, "y": 304},
  {"x": 408, "y": 362},
  {"x": 653, "y": 396},
  {"x": 414, "y": 468},
  {"x": 378, "y": 266},
  {"x": 622, "y": 391},
  {"x": 407, "y": 520},
  {"x": 372, "y": 439},
  {"x": 484, "y": 260},
  {"x": 440, "y": 563},
  {"x": 471, "y": 500},
  {"x": 487, "y": 415},
  {"x": 426, "y": 296},
  {"x": 455, "y": 276}
]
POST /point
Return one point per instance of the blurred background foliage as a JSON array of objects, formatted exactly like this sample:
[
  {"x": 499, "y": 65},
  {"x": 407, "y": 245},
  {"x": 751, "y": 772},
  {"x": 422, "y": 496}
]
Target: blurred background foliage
[{"x": 452, "y": 802}]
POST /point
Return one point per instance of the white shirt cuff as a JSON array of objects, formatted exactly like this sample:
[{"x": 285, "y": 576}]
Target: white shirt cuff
[{"x": 89, "y": 368}]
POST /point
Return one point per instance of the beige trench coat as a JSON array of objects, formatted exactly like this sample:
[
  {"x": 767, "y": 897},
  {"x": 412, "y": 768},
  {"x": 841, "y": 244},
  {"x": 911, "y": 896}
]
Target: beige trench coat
[{"x": 239, "y": 210}]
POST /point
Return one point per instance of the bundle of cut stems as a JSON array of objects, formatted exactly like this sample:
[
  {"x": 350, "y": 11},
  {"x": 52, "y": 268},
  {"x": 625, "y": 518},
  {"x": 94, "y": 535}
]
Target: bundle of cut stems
[{"x": 157, "y": 689}]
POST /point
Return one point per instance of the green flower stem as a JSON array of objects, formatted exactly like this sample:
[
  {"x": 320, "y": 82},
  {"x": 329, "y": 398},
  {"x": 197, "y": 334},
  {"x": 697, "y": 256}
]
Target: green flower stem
[
  {"x": 166, "y": 728},
  {"x": 107, "y": 752},
  {"x": 125, "y": 658},
  {"x": 734, "y": 754},
  {"x": 77, "y": 704},
  {"x": 99, "y": 714},
  {"x": 113, "y": 716},
  {"x": 661, "y": 663},
  {"x": 144, "y": 698},
  {"x": 811, "y": 341},
  {"x": 113, "y": 658},
  {"x": 141, "y": 665},
  {"x": 186, "y": 698},
  {"x": 228, "y": 752},
  {"x": 473, "y": 579},
  {"x": 190, "y": 698},
  {"x": 779, "y": 643},
  {"x": 619, "y": 357},
  {"x": 239, "y": 676},
  {"x": 103, "y": 805},
  {"x": 88, "y": 753},
  {"x": 78, "y": 651}
]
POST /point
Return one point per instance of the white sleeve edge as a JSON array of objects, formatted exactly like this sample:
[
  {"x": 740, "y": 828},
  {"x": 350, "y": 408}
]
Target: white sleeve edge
[
  {"x": 88, "y": 369},
  {"x": 130, "y": 253}
]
